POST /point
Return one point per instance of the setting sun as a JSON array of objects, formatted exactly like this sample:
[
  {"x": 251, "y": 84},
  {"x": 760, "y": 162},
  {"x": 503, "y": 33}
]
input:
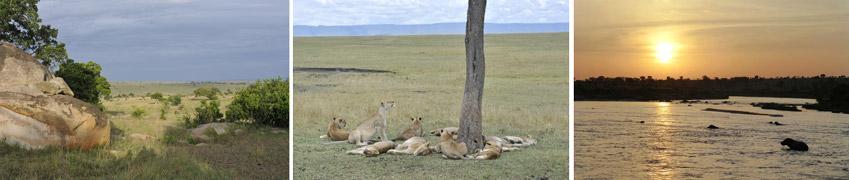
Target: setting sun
[{"x": 664, "y": 52}]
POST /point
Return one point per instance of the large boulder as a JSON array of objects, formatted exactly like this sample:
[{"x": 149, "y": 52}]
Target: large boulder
[
  {"x": 37, "y": 110},
  {"x": 20, "y": 72}
]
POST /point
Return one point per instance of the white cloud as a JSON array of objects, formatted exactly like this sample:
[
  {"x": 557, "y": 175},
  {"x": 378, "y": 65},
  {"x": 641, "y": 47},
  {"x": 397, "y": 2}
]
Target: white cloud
[
  {"x": 159, "y": 39},
  {"x": 355, "y": 12}
]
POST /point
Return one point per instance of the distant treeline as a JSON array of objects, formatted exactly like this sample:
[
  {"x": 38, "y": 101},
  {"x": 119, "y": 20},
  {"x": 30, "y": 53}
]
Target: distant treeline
[
  {"x": 199, "y": 83},
  {"x": 828, "y": 90}
]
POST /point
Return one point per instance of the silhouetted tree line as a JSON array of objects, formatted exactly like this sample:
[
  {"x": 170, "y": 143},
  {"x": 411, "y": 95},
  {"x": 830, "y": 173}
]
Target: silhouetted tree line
[
  {"x": 835, "y": 101},
  {"x": 830, "y": 91}
]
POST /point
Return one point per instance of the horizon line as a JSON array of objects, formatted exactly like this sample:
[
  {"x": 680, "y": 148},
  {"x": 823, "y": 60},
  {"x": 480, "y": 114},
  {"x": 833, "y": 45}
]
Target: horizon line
[
  {"x": 435, "y": 34},
  {"x": 727, "y": 77},
  {"x": 293, "y": 24}
]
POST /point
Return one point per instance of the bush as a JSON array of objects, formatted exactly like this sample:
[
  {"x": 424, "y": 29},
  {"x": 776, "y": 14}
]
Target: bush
[
  {"x": 85, "y": 80},
  {"x": 266, "y": 102},
  {"x": 175, "y": 100},
  {"x": 188, "y": 121},
  {"x": 208, "y": 92},
  {"x": 207, "y": 112},
  {"x": 157, "y": 96},
  {"x": 169, "y": 139},
  {"x": 162, "y": 112},
  {"x": 138, "y": 113}
]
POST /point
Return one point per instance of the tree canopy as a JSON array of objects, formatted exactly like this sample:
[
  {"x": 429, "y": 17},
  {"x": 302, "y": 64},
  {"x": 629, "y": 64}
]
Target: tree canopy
[
  {"x": 21, "y": 25},
  {"x": 85, "y": 80},
  {"x": 265, "y": 102}
]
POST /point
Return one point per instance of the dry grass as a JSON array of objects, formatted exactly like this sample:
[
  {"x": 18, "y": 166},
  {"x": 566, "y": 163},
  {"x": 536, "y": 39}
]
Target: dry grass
[
  {"x": 258, "y": 153},
  {"x": 525, "y": 93}
]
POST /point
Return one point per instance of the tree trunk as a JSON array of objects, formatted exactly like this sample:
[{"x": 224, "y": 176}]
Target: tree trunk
[{"x": 470, "y": 114}]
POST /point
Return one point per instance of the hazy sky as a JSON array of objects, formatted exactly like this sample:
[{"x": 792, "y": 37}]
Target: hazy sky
[
  {"x": 711, "y": 37},
  {"x": 177, "y": 40},
  {"x": 359, "y": 12}
]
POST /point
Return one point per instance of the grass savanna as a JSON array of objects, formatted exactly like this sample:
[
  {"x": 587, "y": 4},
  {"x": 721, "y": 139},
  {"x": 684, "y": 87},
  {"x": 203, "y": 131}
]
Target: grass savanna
[
  {"x": 152, "y": 147},
  {"x": 525, "y": 94}
]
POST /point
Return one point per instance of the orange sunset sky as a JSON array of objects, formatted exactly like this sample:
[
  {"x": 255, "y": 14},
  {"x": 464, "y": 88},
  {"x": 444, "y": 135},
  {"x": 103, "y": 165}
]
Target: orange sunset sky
[{"x": 718, "y": 38}]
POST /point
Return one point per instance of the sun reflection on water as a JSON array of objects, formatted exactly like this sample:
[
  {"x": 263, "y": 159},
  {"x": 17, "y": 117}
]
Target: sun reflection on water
[{"x": 660, "y": 146}]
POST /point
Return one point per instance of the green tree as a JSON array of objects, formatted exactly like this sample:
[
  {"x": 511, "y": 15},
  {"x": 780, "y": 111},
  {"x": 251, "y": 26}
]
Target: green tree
[
  {"x": 21, "y": 25},
  {"x": 208, "y": 92},
  {"x": 85, "y": 80},
  {"x": 265, "y": 102}
]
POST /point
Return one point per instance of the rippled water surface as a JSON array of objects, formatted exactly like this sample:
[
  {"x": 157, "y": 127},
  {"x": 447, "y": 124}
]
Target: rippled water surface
[{"x": 674, "y": 142}]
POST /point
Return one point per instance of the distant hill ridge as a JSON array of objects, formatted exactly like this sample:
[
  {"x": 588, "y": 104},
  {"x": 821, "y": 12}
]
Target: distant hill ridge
[{"x": 425, "y": 29}]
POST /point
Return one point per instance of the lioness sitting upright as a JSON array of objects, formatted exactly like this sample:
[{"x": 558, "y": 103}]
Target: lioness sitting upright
[
  {"x": 375, "y": 124},
  {"x": 336, "y": 130},
  {"x": 414, "y": 130},
  {"x": 451, "y": 147}
]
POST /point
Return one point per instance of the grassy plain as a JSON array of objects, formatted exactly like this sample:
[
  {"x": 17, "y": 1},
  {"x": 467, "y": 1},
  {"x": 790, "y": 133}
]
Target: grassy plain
[
  {"x": 525, "y": 93},
  {"x": 260, "y": 152}
]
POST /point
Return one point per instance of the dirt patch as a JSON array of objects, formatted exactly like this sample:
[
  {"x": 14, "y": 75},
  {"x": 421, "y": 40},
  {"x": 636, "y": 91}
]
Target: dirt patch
[
  {"x": 339, "y": 70},
  {"x": 305, "y": 88},
  {"x": 258, "y": 154}
]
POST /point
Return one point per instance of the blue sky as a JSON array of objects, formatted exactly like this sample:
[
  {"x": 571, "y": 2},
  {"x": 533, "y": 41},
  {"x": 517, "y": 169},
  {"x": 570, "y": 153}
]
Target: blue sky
[
  {"x": 175, "y": 40},
  {"x": 360, "y": 12}
]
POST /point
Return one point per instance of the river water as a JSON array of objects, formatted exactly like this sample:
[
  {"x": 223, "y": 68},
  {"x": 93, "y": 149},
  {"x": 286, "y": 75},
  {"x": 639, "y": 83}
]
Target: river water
[{"x": 674, "y": 143}]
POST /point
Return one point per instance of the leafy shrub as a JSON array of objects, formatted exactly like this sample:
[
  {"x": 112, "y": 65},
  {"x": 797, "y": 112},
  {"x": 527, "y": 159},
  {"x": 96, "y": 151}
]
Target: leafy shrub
[
  {"x": 138, "y": 113},
  {"x": 207, "y": 112},
  {"x": 85, "y": 80},
  {"x": 266, "y": 102},
  {"x": 208, "y": 92},
  {"x": 175, "y": 100},
  {"x": 157, "y": 96},
  {"x": 188, "y": 121},
  {"x": 169, "y": 139},
  {"x": 162, "y": 112}
]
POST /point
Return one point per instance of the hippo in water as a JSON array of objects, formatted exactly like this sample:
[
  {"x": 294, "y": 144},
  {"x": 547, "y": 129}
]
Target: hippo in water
[
  {"x": 712, "y": 127},
  {"x": 795, "y": 145}
]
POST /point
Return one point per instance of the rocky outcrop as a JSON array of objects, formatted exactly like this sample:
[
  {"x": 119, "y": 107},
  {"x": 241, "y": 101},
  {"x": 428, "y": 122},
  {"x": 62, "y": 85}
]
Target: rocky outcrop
[
  {"x": 37, "y": 110},
  {"x": 20, "y": 72},
  {"x": 202, "y": 132}
]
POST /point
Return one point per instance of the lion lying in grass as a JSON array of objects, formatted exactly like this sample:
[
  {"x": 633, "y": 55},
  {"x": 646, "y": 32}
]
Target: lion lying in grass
[
  {"x": 373, "y": 149},
  {"x": 492, "y": 150},
  {"x": 449, "y": 146},
  {"x": 414, "y": 146},
  {"x": 336, "y": 130}
]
